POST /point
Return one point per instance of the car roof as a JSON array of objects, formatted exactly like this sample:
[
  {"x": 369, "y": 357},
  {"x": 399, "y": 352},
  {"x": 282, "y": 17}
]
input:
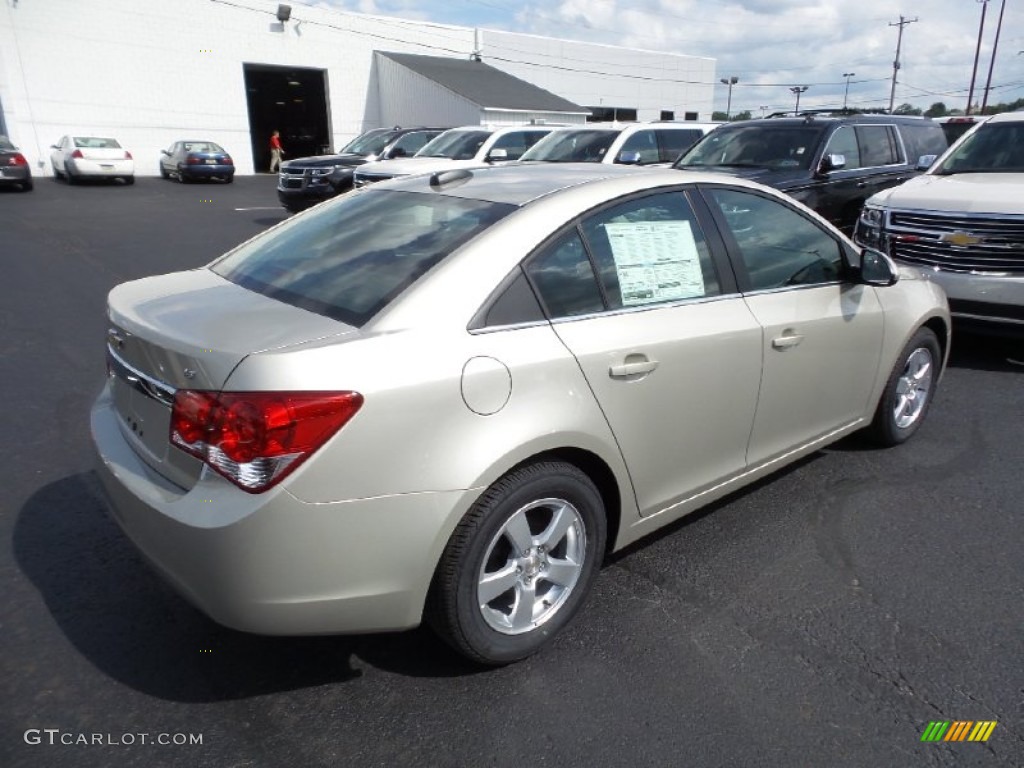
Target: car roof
[{"x": 519, "y": 185}]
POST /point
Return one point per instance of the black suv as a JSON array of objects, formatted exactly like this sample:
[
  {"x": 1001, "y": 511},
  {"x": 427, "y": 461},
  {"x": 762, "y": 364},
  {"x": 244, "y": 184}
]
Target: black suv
[
  {"x": 830, "y": 163},
  {"x": 306, "y": 181}
]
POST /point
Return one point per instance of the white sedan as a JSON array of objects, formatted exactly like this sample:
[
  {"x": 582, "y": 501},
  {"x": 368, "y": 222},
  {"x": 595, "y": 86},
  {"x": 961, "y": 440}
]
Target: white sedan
[{"x": 78, "y": 157}]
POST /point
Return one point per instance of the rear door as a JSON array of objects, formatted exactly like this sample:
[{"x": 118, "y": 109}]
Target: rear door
[
  {"x": 822, "y": 332},
  {"x": 670, "y": 351}
]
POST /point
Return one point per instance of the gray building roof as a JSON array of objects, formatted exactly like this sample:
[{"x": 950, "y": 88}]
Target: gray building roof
[{"x": 483, "y": 84}]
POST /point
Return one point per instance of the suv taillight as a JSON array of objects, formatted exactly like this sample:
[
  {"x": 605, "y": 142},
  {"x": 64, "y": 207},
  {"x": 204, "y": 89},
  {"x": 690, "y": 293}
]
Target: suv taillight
[{"x": 256, "y": 439}]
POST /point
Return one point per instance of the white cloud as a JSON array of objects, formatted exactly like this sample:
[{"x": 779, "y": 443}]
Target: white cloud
[{"x": 773, "y": 44}]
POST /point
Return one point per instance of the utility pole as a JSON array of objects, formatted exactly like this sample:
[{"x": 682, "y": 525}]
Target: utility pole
[
  {"x": 992, "y": 64},
  {"x": 846, "y": 93},
  {"x": 798, "y": 89},
  {"x": 977, "y": 53},
  {"x": 896, "y": 64}
]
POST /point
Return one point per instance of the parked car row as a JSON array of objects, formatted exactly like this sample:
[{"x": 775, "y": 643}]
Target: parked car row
[{"x": 78, "y": 158}]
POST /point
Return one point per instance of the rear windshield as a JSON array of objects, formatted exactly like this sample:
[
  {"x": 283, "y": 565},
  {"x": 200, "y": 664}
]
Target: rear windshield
[
  {"x": 92, "y": 142},
  {"x": 756, "y": 146},
  {"x": 350, "y": 259},
  {"x": 203, "y": 146},
  {"x": 582, "y": 146}
]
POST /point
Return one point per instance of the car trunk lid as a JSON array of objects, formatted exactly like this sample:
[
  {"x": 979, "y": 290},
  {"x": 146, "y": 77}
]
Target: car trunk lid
[{"x": 189, "y": 330}]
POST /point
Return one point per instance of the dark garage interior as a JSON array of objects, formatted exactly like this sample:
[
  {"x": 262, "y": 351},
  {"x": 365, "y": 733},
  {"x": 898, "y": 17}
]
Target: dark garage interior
[{"x": 292, "y": 100}]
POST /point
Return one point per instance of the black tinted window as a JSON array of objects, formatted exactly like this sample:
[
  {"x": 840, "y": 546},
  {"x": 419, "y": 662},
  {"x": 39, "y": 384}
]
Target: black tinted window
[
  {"x": 760, "y": 145},
  {"x": 350, "y": 259},
  {"x": 564, "y": 278},
  {"x": 672, "y": 143},
  {"x": 779, "y": 247},
  {"x": 878, "y": 145}
]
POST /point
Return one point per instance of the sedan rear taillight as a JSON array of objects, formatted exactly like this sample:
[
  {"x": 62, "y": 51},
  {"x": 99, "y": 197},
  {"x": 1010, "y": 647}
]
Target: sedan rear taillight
[
  {"x": 256, "y": 439},
  {"x": 17, "y": 159},
  {"x": 127, "y": 155},
  {"x": 194, "y": 160},
  {"x": 226, "y": 160},
  {"x": 77, "y": 154}
]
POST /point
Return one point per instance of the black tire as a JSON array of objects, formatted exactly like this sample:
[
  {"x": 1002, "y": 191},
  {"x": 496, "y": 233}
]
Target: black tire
[
  {"x": 71, "y": 178},
  {"x": 909, "y": 391},
  {"x": 182, "y": 178},
  {"x": 228, "y": 179},
  {"x": 27, "y": 185},
  {"x": 57, "y": 174},
  {"x": 164, "y": 174},
  {"x": 483, "y": 543},
  {"x": 129, "y": 180}
]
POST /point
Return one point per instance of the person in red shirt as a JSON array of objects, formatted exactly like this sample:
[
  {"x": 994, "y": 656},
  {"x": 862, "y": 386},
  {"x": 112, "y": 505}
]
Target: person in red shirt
[{"x": 276, "y": 151}]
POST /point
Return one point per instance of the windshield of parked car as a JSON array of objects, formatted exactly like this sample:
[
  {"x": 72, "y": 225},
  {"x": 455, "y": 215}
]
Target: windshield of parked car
[
  {"x": 91, "y": 142},
  {"x": 351, "y": 259},
  {"x": 757, "y": 145},
  {"x": 992, "y": 148},
  {"x": 455, "y": 145},
  {"x": 370, "y": 143},
  {"x": 582, "y": 146}
]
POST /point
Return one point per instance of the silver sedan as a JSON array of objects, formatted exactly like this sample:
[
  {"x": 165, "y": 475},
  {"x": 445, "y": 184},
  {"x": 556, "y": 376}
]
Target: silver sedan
[{"x": 446, "y": 398}]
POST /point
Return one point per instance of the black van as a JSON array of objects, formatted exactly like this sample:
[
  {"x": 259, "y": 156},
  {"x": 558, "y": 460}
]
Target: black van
[{"x": 830, "y": 163}]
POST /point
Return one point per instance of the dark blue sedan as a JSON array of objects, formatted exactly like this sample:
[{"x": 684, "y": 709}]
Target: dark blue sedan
[{"x": 192, "y": 160}]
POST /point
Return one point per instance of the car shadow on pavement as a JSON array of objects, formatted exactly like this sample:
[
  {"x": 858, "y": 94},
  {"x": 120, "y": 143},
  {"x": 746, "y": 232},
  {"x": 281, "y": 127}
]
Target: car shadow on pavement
[
  {"x": 986, "y": 353},
  {"x": 118, "y": 614}
]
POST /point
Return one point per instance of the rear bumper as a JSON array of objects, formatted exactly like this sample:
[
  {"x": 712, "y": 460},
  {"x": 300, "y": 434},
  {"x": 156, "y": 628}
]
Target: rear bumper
[
  {"x": 200, "y": 171},
  {"x": 81, "y": 167},
  {"x": 272, "y": 564},
  {"x": 15, "y": 175}
]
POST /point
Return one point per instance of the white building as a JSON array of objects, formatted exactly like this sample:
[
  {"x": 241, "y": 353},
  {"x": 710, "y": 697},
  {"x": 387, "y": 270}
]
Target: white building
[{"x": 150, "y": 72}]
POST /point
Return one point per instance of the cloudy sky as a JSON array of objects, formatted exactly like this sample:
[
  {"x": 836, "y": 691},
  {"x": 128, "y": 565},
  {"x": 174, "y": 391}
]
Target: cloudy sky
[{"x": 772, "y": 45}]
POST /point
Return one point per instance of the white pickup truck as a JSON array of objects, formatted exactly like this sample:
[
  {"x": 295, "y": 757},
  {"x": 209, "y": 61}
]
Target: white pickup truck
[{"x": 962, "y": 223}]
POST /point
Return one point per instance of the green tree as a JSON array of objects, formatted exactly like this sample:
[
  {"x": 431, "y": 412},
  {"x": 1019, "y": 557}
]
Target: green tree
[
  {"x": 906, "y": 109},
  {"x": 719, "y": 117},
  {"x": 938, "y": 109},
  {"x": 744, "y": 115}
]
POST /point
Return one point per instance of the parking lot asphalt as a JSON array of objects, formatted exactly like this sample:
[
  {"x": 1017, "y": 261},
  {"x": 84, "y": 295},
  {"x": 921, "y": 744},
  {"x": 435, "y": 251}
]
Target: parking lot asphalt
[{"x": 820, "y": 618}]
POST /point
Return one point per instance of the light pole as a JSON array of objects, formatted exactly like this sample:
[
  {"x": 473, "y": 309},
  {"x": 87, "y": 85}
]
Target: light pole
[
  {"x": 729, "y": 81},
  {"x": 798, "y": 89},
  {"x": 977, "y": 54},
  {"x": 763, "y": 109},
  {"x": 846, "y": 93}
]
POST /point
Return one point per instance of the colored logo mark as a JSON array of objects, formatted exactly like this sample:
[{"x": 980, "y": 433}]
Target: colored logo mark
[{"x": 958, "y": 730}]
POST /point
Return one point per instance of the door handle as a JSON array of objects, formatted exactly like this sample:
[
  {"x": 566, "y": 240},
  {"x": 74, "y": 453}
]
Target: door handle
[
  {"x": 635, "y": 368},
  {"x": 787, "y": 340}
]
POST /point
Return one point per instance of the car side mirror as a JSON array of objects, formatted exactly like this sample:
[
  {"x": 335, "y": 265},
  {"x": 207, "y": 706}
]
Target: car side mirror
[
  {"x": 924, "y": 162},
  {"x": 832, "y": 163},
  {"x": 877, "y": 269},
  {"x": 628, "y": 158},
  {"x": 54, "y": 146},
  {"x": 497, "y": 154},
  {"x": 165, "y": 152}
]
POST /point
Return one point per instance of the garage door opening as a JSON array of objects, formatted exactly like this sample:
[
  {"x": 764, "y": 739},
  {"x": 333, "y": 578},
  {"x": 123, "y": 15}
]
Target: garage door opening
[{"x": 292, "y": 100}]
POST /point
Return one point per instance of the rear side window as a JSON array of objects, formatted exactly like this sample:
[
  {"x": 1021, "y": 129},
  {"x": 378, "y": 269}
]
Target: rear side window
[
  {"x": 349, "y": 260},
  {"x": 878, "y": 145},
  {"x": 565, "y": 278},
  {"x": 672, "y": 143}
]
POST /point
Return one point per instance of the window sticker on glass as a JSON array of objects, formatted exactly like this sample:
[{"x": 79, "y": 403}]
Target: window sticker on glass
[{"x": 655, "y": 261}]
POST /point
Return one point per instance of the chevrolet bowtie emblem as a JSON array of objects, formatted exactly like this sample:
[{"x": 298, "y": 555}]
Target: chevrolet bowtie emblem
[{"x": 961, "y": 239}]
